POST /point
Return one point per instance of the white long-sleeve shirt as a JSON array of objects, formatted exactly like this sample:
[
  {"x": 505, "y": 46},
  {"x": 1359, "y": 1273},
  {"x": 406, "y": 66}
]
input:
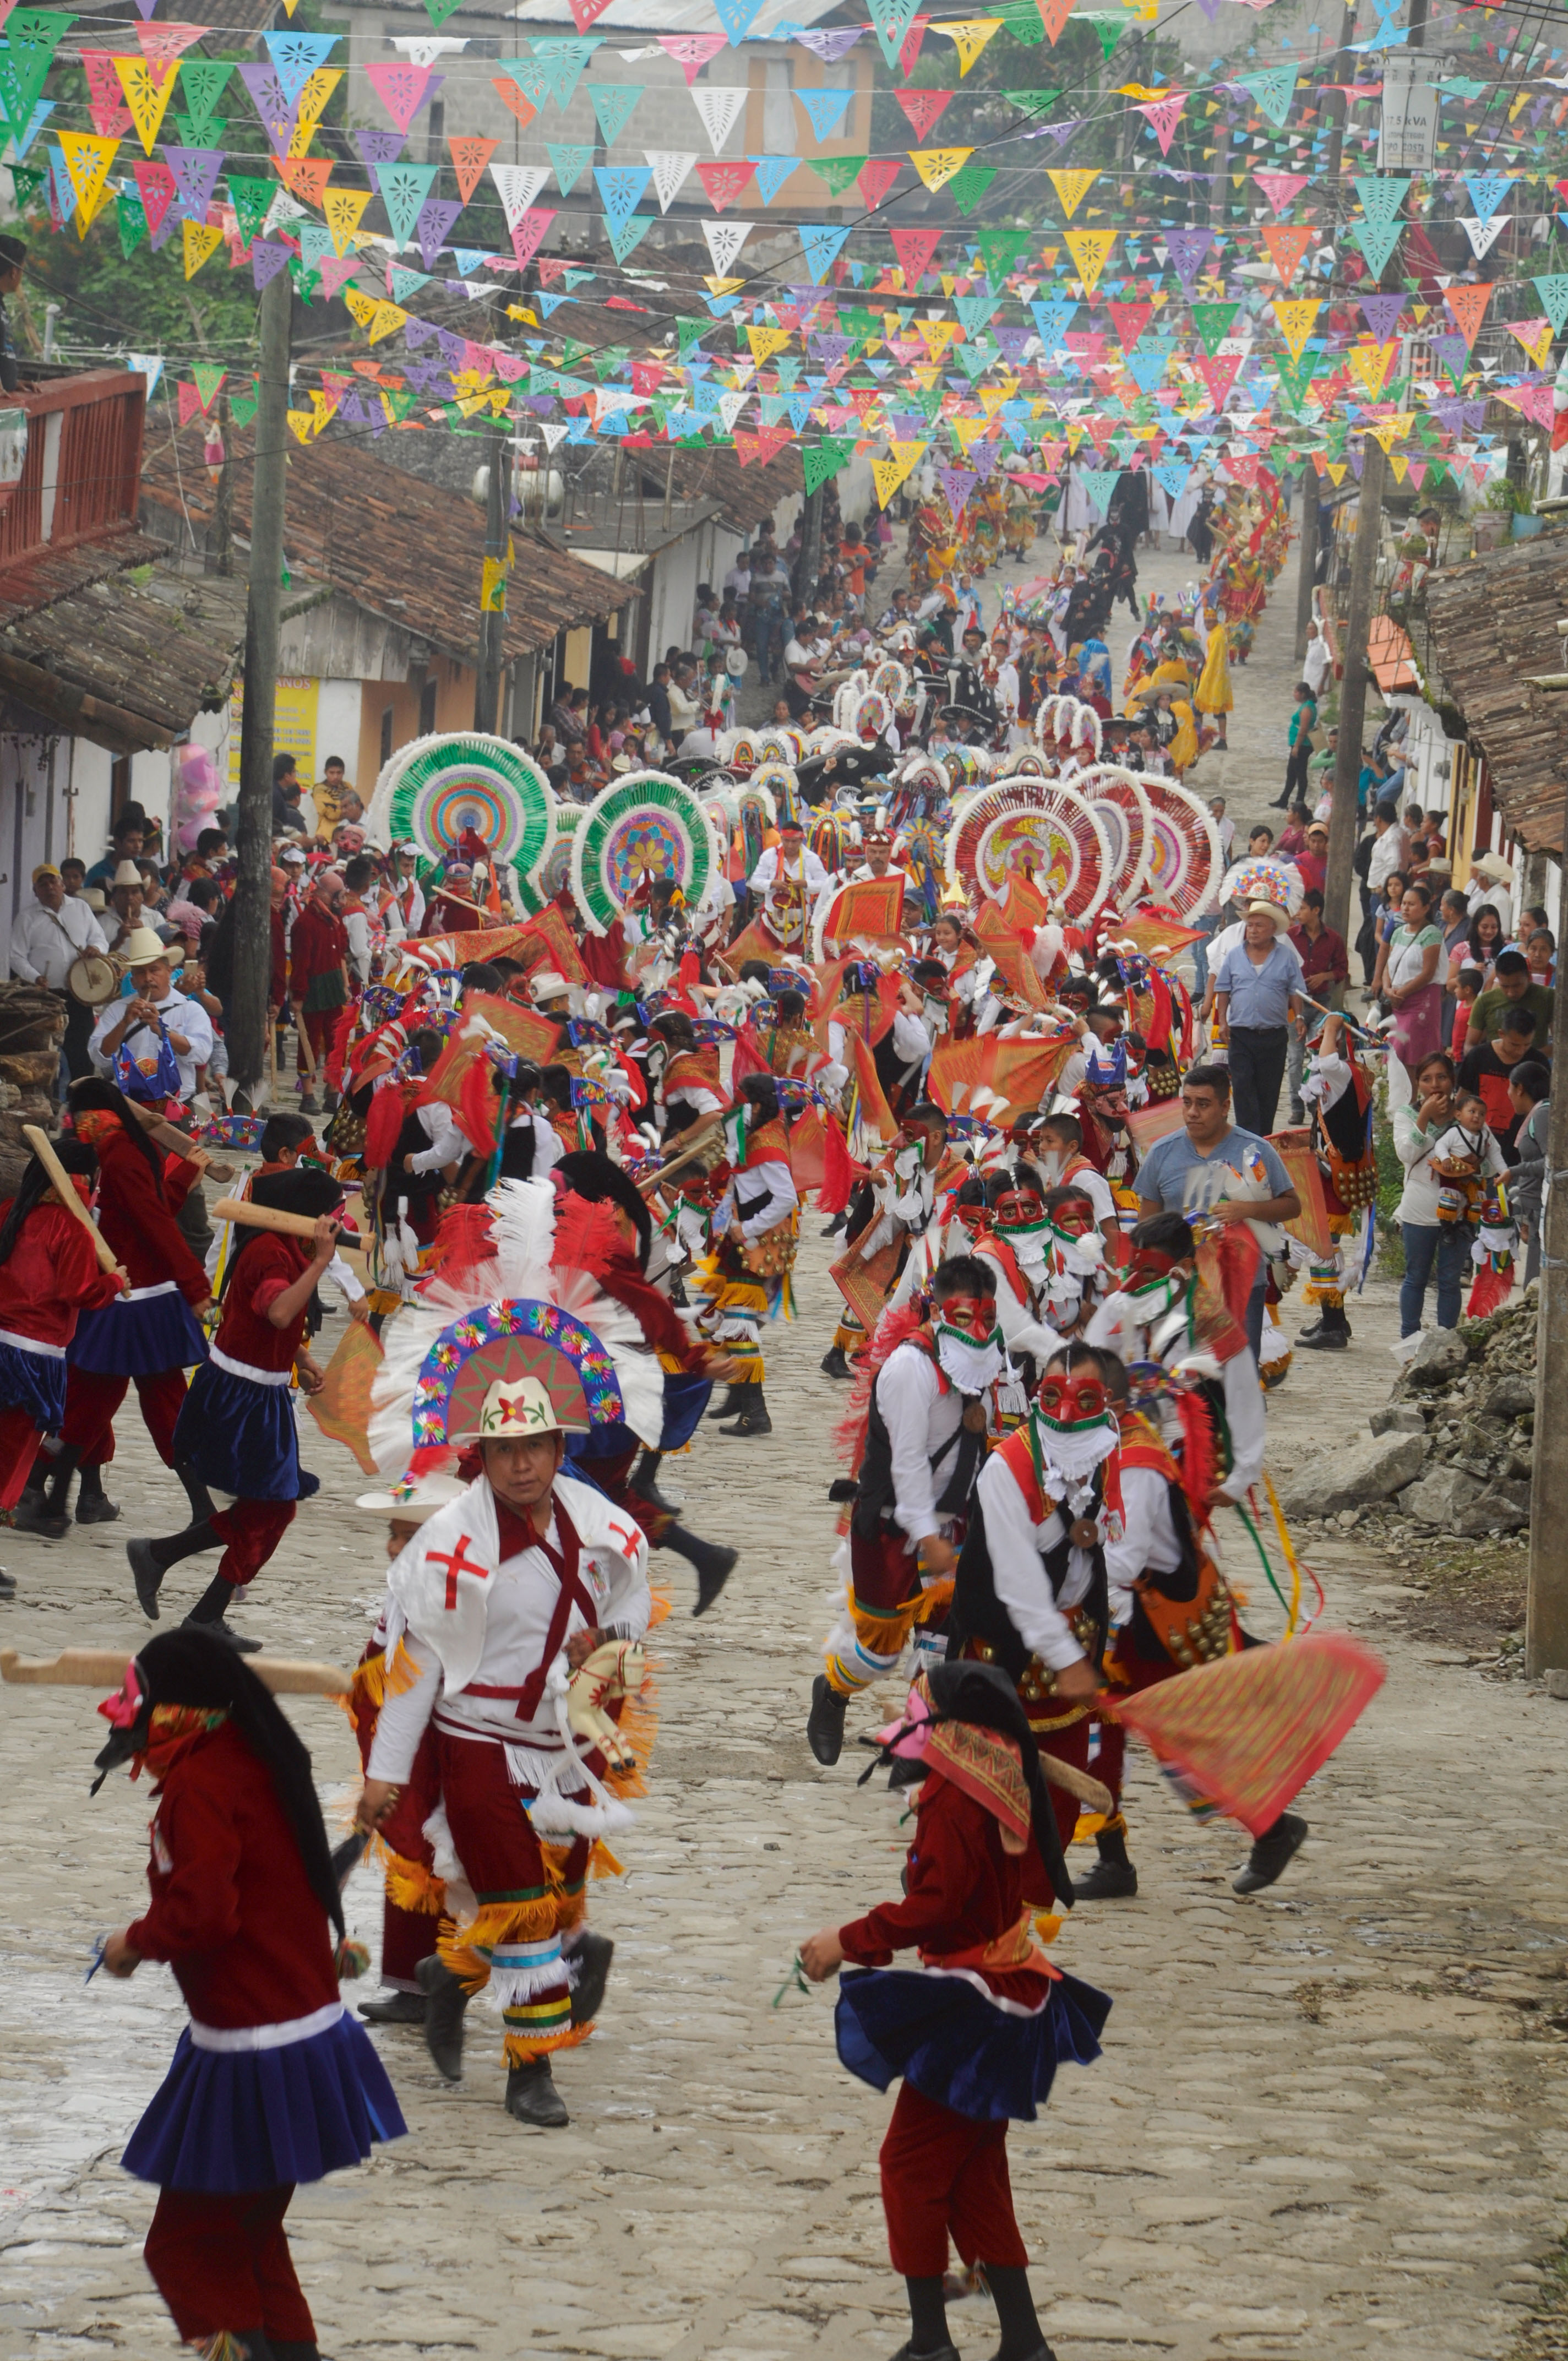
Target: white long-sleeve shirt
[
  {"x": 1148, "y": 1543},
  {"x": 448, "y": 1145},
  {"x": 776, "y": 1178},
  {"x": 1022, "y": 1331},
  {"x": 1021, "y": 1585},
  {"x": 186, "y": 1018},
  {"x": 922, "y": 1416},
  {"x": 520, "y": 1604},
  {"x": 45, "y": 944}
]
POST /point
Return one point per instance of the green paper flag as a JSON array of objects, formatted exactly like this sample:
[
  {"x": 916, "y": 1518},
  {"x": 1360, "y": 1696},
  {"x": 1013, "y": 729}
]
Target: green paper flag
[
  {"x": 243, "y": 408},
  {"x": 251, "y": 199},
  {"x": 970, "y": 184},
  {"x": 1002, "y": 249},
  {"x": 1108, "y": 30},
  {"x": 203, "y": 81},
  {"x": 132, "y": 219},
  {"x": 840, "y": 172},
  {"x": 32, "y": 37},
  {"x": 834, "y": 451},
  {"x": 1212, "y": 322},
  {"x": 613, "y": 103}
]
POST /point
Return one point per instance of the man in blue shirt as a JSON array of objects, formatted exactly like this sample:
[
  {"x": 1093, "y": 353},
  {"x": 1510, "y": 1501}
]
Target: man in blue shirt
[
  {"x": 1190, "y": 1171},
  {"x": 1257, "y": 999}
]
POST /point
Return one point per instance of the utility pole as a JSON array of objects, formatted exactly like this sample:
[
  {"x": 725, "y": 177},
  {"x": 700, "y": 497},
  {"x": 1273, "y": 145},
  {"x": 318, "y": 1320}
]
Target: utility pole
[
  {"x": 810, "y": 559},
  {"x": 493, "y": 597},
  {"x": 1353, "y": 690},
  {"x": 222, "y": 496},
  {"x": 247, "y": 1015},
  {"x": 1307, "y": 575},
  {"x": 1546, "y": 1613}
]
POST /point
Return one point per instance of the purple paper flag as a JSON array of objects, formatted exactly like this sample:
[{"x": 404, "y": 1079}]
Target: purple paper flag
[
  {"x": 984, "y": 455},
  {"x": 268, "y": 257},
  {"x": 378, "y": 147},
  {"x": 279, "y": 119},
  {"x": 1381, "y": 314},
  {"x": 419, "y": 332},
  {"x": 1451, "y": 352},
  {"x": 1187, "y": 248},
  {"x": 195, "y": 171},
  {"x": 437, "y": 216},
  {"x": 957, "y": 484}
]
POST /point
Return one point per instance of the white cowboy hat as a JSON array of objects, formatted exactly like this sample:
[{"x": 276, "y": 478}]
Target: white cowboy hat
[
  {"x": 514, "y": 1411},
  {"x": 128, "y": 874},
  {"x": 548, "y": 984},
  {"x": 423, "y": 1498},
  {"x": 1281, "y": 918},
  {"x": 1493, "y": 865},
  {"x": 144, "y": 948}
]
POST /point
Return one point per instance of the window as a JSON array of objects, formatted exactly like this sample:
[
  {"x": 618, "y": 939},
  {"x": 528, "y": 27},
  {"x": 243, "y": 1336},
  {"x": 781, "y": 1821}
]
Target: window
[
  {"x": 385, "y": 733},
  {"x": 427, "y": 707}
]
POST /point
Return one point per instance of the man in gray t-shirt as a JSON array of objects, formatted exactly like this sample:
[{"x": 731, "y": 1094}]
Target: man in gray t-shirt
[{"x": 1190, "y": 1171}]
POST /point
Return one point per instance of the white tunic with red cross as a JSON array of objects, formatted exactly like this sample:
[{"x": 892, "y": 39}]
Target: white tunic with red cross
[{"x": 483, "y": 1630}]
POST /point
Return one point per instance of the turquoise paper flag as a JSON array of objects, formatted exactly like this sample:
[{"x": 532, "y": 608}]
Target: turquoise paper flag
[
  {"x": 405, "y": 188},
  {"x": 737, "y": 17},
  {"x": 626, "y": 236},
  {"x": 544, "y": 301},
  {"x": 403, "y": 283},
  {"x": 620, "y": 187},
  {"x": 1099, "y": 483},
  {"x": 890, "y": 20},
  {"x": 1553, "y": 293},
  {"x": 1377, "y": 241},
  {"x": 1173, "y": 474},
  {"x": 563, "y": 59},
  {"x": 826, "y": 107},
  {"x": 821, "y": 244},
  {"x": 1488, "y": 190},
  {"x": 771, "y": 173},
  {"x": 1380, "y": 195},
  {"x": 1273, "y": 89},
  {"x": 569, "y": 164},
  {"x": 1052, "y": 321},
  {"x": 296, "y": 56},
  {"x": 613, "y": 103}
]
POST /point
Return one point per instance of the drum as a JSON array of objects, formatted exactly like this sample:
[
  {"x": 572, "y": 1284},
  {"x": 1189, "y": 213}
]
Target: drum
[{"x": 94, "y": 978}]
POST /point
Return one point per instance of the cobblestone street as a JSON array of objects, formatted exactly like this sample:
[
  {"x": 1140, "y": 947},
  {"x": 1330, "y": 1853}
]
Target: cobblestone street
[{"x": 1330, "y": 2121}]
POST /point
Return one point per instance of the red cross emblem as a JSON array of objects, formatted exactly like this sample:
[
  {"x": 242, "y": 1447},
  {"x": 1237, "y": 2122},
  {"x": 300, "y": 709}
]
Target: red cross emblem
[{"x": 455, "y": 1562}]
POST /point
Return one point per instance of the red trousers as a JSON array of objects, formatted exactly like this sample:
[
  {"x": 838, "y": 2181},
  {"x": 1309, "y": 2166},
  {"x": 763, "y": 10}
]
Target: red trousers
[
  {"x": 223, "y": 2263},
  {"x": 250, "y": 1532},
  {"x": 320, "y": 1024},
  {"x": 941, "y": 2172},
  {"x": 18, "y": 1449},
  {"x": 407, "y": 1937},
  {"x": 93, "y": 1399}
]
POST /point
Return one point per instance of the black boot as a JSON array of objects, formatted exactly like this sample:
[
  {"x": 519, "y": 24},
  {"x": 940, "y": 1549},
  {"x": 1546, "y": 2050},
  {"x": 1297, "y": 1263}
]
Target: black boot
[
  {"x": 532, "y": 2098},
  {"x": 31, "y": 1515},
  {"x": 1272, "y": 1854},
  {"x": 94, "y": 1506},
  {"x": 284, "y": 2352},
  {"x": 1112, "y": 1878},
  {"x": 732, "y": 1405},
  {"x": 1022, "y": 2338},
  {"x": 196, "y": 1492},
  {"x": 1305, "y": 1335},
  {"x": 824, "y": 1722},
  {"x": 754, "y": 1420},
  {"x": 1332, "y": 1333},
  {"x": 395, "y": 2008},
  {"x": 834, "y": 1365},
  {"x": 838, "y": 1222},
  {"x": 446, "y": 2000},
  {"x": 151, "y": 1561},
  {"x": 712, "y": 1564},
  {"x": 645, "y": 1482},
  {"x": 591, "y": 1960}
]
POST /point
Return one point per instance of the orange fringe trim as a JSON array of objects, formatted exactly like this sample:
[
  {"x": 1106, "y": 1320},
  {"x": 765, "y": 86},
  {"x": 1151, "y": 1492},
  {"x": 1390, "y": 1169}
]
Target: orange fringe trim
[
  {"x": 521, "y": 2050},
  {"x": 498, "y": 1922},
  {"x": 375, "y": 1683},
  {"x": 935, "y": 1599},
  {"x": 663, "y": 1605},
  {"x": 410, "y": 1885},
  {"x": 637, "y": 1722}
]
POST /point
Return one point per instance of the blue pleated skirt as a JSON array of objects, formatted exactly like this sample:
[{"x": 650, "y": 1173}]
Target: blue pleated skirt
[
  {"x": 687, "y": 1396},
  {"x": 138, "y": 1340},
  {"x": 227, "y": 2120},
  {"x": 957, "y": 2047},
  {"x": 34, "y": 1383},
  {"x": 240, "y": 1437}
]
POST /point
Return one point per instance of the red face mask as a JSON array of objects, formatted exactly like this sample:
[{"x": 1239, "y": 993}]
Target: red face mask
[
  {"x": 1018, "y": 1210},
  {"x": 1072, "y": 1398},
  {"x": 969, "y": 1315},
  {"x": 1075, "y": 1220}
]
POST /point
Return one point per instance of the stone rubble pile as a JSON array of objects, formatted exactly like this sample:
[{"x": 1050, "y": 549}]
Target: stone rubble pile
[{"x": 1453, "y": 1448}]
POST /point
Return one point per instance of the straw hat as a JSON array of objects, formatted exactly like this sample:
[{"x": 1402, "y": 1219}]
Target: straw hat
[
  {"x": 515, "y": 1410},
  {"x": 1280, "y": 919},
  {"x": 1493, "y": 865},
  {"x": 128, "y": 874}
]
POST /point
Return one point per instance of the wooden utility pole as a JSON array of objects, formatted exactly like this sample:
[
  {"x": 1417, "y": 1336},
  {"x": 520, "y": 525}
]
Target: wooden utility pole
[
  {"x": 810, "y": 559},
  {"x": 1312, "y": 532},
  {"x": 493, "y": 610},
  {"x": 1353, "y": 690},
  {"x": 222, "y": 496},
  {"x": 1546, "y": 1614},
  {"x": 246, "y": 1013}
]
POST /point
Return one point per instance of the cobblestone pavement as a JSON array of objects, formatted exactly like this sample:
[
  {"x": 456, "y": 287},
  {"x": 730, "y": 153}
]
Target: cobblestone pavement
[{"x": 1329, "y": 2120}]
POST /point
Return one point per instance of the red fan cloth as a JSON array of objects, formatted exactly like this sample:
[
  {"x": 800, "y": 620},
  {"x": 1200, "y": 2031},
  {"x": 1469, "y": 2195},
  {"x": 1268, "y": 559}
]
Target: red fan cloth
[{"x": 1252, "y": 1728}]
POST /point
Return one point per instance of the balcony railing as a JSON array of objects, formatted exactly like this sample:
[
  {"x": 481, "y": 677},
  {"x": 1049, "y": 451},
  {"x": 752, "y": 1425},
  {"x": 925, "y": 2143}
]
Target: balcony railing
[{"x": 81, "y": 468}]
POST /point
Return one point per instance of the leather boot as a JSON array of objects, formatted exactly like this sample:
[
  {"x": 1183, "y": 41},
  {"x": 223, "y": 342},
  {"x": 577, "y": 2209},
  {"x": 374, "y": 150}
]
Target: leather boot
[
  {"x": 754, "y": 1420},
  {"x": 447, "y": 2001},
  {"x": 732, "y": 1405},
  {"x": 1271, "y": 1854},
  {"x": 1112, "y": 1878},
  {"x": 395, "y": 2008},
  {"x": 834, "y": 1365},
  {"x": 532, "y": 2098},
  {"x": 1332, "y": 1333},
  {"x": 712, "y": 1564},
  {"x": 94, "y": 1506},
  {"x": 824, "y": 1722},
  {"x": 590, "y": 1959},
  {"x": 57, "y": 1492}
]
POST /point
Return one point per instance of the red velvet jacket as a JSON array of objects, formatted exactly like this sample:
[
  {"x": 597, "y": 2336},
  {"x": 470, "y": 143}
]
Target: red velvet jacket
[
  {"x": 964, "y": 1891},
  {"x": 137, "y": 1217},
  {"x": 233, "y": 1912},
  {"x": 50, "y": 1274}
]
